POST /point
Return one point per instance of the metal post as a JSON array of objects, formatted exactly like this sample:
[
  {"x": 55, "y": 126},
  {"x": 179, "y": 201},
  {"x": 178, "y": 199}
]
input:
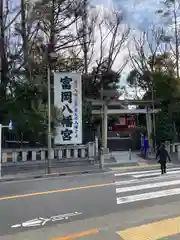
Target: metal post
[
  {"x": 129, "y": 153},
  {"x": 102, "y": 116},
  {"x": 130, "y": 145},
  {"x": 0, "y": 150},
  {"x": 101, "y": 162},
  {"x": 96, "y": 148},
  {"x": 154, "y": 120},
  {"x": 49, "y": 121},
  {"x": 105, "y": 126},
  {"x": 148, "y": 125}
]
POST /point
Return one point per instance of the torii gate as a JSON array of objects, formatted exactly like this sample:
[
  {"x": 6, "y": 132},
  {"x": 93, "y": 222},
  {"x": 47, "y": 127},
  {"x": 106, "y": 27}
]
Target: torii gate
[{"x": 104, "y": 112}]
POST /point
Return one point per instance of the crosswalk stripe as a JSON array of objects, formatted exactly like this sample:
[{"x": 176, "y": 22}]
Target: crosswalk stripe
[
  {"x": 152, "y": 174},
  {"x": 147, "y": 196},
  {"x": 126, "y": 182},
  {"x": 131, "y": 173},
  {"x": 147, "y": 186},
  {"x": 130, "y": 181},
  {"x": 143, "y": 172},
  {"x": 144, "y": 180}
]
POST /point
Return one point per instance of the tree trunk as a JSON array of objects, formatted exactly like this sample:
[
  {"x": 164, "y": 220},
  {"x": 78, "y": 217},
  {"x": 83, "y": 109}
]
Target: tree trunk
[
  {"x": 25, "y": 40},
  {"x": 3, "y": 58},
  {"x": 176, "y": 41},
  {"x": 85, "y": 25}
]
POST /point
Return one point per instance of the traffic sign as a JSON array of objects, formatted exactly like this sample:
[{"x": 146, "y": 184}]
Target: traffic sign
[{"x": 10, "y": 125}]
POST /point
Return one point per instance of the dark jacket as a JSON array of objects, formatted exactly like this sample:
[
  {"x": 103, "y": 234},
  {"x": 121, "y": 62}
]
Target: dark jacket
[{"x": 163, "y": 154}]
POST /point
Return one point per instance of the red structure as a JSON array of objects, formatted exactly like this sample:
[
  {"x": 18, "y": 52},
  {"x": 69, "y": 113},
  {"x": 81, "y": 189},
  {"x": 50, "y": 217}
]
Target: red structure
[{"x": 126, "y": 123}]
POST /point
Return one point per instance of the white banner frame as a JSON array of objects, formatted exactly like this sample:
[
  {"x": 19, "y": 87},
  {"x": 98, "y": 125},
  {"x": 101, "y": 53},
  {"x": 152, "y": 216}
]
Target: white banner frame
[{"x": 68, "y": 98}]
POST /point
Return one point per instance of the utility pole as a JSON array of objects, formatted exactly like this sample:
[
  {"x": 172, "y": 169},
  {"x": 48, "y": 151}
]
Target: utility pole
[
  {"x": 49, "y": 120},
  {"x": 51, "y": 57},
  {"x": 101, "y": 162},
  {"x": 102, "y": 115},
  {"x": 154, "y": 119}
]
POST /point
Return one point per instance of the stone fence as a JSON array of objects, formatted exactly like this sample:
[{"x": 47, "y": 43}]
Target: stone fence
[
  {"x": 77, "y": 152},
  {"x": 173, "y": 147}
]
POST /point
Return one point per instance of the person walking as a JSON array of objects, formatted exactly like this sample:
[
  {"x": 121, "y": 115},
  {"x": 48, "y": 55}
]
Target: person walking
[
  {"x": 163, "y": 154},
  {"x": 145, "y": 146}
]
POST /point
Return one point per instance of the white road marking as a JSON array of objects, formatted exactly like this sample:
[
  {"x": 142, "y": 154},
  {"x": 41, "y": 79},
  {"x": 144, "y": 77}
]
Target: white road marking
[
  {"x": 147, "y": 186},
  {"x": 143, "y": 180},
  {"x": 153, "y": 174},
  {"x": 42, "y": 221},
  {"x": 127, "y": 181},
  {"x": 143, "y": 172},
  {"x": 146, "y": 196},
  {"x": 130, "y": 181},
  {"x": 16, "y": 226},
  {"x": 33, "y": 223}
]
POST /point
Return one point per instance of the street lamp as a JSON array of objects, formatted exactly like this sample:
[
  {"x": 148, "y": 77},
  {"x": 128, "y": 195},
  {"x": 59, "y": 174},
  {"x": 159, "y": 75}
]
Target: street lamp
[{"x": 51, "y": 56}]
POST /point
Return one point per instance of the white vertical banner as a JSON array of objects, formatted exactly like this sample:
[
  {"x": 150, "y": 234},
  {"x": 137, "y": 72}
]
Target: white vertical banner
[{"x": 68, "y": 97}]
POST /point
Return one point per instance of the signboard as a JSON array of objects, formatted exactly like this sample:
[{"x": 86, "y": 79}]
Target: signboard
[
  {"x": 122, "y": 121},
  {"x": 68, "y": 97}
]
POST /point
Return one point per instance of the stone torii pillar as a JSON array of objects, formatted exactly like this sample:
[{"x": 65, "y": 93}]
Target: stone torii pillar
[{"x": 149, "y": 128}]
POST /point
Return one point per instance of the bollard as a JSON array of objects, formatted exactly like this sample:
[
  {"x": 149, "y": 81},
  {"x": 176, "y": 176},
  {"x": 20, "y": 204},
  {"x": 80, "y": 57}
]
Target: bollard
[
  {"x": 129, "y": 153},
  {"x": 101, "y": 162},
  {"x": 178, "y": 150}
]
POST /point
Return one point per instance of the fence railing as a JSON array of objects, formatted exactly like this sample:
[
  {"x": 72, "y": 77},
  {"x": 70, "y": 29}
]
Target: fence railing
[{"x": 77, "y": 152}]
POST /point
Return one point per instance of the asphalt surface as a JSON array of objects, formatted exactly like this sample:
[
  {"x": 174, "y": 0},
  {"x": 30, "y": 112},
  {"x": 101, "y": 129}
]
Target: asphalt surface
[{"x": 87, "y": 203}]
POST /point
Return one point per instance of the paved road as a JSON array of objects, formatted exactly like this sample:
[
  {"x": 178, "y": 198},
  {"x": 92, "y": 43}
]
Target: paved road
[{"x": 94, "y": 206}]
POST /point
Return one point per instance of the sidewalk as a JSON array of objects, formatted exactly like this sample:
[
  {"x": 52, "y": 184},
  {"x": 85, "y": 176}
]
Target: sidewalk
[
  {"x": 152, "y": 159},
  {"x": 55, "y": 172},
  {"x": 122, "y": 158},
  {"x": 38, "y": 169}
]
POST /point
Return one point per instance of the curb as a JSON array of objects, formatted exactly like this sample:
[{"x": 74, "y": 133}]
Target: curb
[
  {"x": 51, "y": 175},
  {"x": 145, "y": 166}
]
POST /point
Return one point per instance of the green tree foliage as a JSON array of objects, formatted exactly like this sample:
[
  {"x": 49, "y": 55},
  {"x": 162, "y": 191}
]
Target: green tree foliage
[
  {"x": 169, "y": 14},
  {"x": 41, "y": 28},
  {"x": 163, "y": 85},
  {"x": 165, "y": 127},
  {"x": 108, "y": 80},
  {"x": 25, "y": 62},
  {"x": 99, "y": 78}
]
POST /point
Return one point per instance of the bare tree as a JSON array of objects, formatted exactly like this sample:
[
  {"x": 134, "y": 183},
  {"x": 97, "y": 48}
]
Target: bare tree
[
  {"x": 144, "y": 52},
  {"x": 113, "y": 34},
  {"x": 8, "y": 16},
  {"x": 56, "y": 19},
  {"x": 170, "y": 13},
  {"x": 45, "y": 26},
  {"x": 85, "y": 29}
]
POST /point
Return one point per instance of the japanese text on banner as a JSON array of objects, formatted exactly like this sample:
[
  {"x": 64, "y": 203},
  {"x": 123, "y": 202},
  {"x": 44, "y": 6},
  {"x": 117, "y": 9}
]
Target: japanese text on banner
[{"x": 66, "y": 99}]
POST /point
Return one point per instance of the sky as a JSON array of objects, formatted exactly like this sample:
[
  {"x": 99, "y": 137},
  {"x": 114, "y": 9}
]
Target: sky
[{"x": 138, "y": 12}]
